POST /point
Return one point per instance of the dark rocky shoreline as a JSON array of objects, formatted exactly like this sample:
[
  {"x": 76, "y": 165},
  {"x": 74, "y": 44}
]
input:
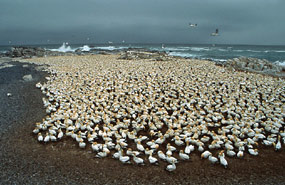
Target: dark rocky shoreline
[{"x": 25, "y": 161}]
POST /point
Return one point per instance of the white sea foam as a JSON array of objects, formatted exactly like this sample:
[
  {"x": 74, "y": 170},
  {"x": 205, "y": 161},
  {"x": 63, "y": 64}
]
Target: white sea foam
[
  {"x": 215, "y": 59},
  {"x": 85, "y": 48},
  {"x": 249, "y": 50},
  {"x": 223, "y": 49},
  {"x": 64, "y": 48},
  {"x": 255, "y": 51},
  {"x": 280, "y": 63},
  {"x": 199, "y": 49},
  {"x": 175, "y": 48},
  {"x": 276, "y": 51},
  {"x": 111, "y": 48},
  {"x": 280, "y": 51},
  {"x": 185, "y": 55}
]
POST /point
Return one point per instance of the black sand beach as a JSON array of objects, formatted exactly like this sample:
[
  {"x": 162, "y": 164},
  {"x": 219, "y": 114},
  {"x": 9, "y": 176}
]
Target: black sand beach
[{"x": 25, "y": 161}]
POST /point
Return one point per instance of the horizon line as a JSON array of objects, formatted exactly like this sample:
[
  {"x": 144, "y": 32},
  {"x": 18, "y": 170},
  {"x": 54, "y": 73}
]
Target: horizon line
[{"x": 139, "y": 43}]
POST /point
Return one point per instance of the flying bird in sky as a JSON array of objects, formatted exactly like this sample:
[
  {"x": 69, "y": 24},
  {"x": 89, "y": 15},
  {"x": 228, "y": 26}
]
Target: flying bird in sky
[
  {"x": 215, "y": 33},
  {"x": 193, "y": 25}
]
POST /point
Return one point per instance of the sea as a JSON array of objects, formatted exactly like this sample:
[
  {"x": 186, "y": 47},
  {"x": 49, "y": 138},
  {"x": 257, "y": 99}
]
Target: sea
[{"x": 221, "y": 53}]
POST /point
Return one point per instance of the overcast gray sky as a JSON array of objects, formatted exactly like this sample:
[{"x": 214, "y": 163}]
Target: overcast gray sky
[{"x": 142, "y": 21}]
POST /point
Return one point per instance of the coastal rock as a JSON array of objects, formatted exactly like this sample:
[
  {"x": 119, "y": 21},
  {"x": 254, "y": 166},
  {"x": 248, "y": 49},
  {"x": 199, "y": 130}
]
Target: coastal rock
[
  {"x": 29, "y": 52},
  {"x": 26, "y": 52},
  {"x": 28, "y": 78},
  {"x": 253, "y": 65}
]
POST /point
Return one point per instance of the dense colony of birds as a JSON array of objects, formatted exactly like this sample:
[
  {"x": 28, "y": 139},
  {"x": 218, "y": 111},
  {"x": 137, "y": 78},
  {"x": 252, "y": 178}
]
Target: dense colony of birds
[{"x": 144, "y": 111}]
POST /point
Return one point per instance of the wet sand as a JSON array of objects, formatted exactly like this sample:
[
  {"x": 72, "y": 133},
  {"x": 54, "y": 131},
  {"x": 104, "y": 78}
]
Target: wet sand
[{"x": 25, "y": 161}]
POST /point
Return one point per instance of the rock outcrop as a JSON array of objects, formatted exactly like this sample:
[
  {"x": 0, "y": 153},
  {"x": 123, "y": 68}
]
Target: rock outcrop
[
  {"x": 254, "y": 65},
  {"x": 28, "y": 78},
  {"x": 29, "y": 52},
  {"x": 26, "y": 52}
]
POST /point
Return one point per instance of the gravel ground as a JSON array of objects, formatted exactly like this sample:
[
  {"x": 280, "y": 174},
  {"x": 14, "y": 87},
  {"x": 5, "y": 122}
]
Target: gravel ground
[{"x": 24, "y": 161}]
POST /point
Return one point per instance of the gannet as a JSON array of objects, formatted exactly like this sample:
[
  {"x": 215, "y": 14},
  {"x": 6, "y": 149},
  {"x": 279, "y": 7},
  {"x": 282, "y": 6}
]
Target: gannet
[
  {"x": 161, "y": 155},
  {"x": 47, "y": 138},
  {"x": 40, "y": 137},
  {"x": 152, "y": 159},
  {"x": 171, "y": 167},
  {"x": 169, "y": 159},
  {"x": 278, "y": 145},
  {"x": 223, "y": 161},
  {"x": 101, "y": 154},
  {"x": 82, "y": 144},
  {"x": 216, "y": 33},
  {"x": 212, "y": 159},
  {"x": 205, "y": 154},
  {"x": 193, "y": 25},
  {"x": 183, "y": 156},
  {"x": 124, "y": 159},
  {"x": 140, "y": 146},
  {"x": 138, "y": 160},
  {"x": 253, "y": 151}
]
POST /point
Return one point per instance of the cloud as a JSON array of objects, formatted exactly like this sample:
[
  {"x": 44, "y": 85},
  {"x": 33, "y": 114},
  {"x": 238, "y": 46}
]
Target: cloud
[{"x": 239, "y": 21}]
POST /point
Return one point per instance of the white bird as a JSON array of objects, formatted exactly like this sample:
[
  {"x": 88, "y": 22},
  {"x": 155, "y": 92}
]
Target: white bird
[
  {"x": 205, "y": 154},
  {"x": 229, "y": 146},
  {"x": 161, "y": 155},
  {"x": 95, "y": 147},
  {"x": 36, "y": 130},
  {"x": 138, "y": 160},
  {"x": 82, "y": 144},
  {"x": 216, "y": 33},
  {"x": 193, "y": 25},
  {"x": 253, "y": 151},
  {"x": 240, "y": 154},
  {"x": 117, "y": 155},
  {"x": 123, "y": 144},
  {"x": 171, "y": 167},
  {"x": 168, "y": 152},
  {"x": 171, "y": 148},
  {"x": 278, "y": 145},
  {"x": 152, "y": 159},
  {"x": 124, "y": 159},
  {"x": 189, "y": 149},
  {"x": 170, "y": 159},
  {"x": 282, "y": 133},
  {"x": 212, "y": 159},
  {"x": 267, "y": 143},
  {"x": 129, "y": 151},
  {"x": 231, "y": 153},
  {"x": 140, "y": 146},
  {"x": 179, "y": 142},
  {"x": 51, "y": 131},
  {"x": 200, "y": 148},
  {"x": 40, "y": 137},
  {"x": 60, "y": 134},
  {"x": 52, "y": 137},
  {"x": 102, "y": 154},
  {"x": 183, "y": 156},
  {"x": 47, "y": 138},
  {"x": 160, "y": 140},
  {"x": 223, "y": 161}
]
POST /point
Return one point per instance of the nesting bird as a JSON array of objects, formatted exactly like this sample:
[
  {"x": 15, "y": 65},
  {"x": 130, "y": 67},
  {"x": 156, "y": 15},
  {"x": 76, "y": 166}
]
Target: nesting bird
[{"x": 137, "y": 108}]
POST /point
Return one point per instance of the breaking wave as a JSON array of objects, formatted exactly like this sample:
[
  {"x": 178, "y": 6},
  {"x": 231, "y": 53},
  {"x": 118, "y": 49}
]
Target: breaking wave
[
  {"x": 64, "y": 48},
  {"x": 280, "y": 63}
]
